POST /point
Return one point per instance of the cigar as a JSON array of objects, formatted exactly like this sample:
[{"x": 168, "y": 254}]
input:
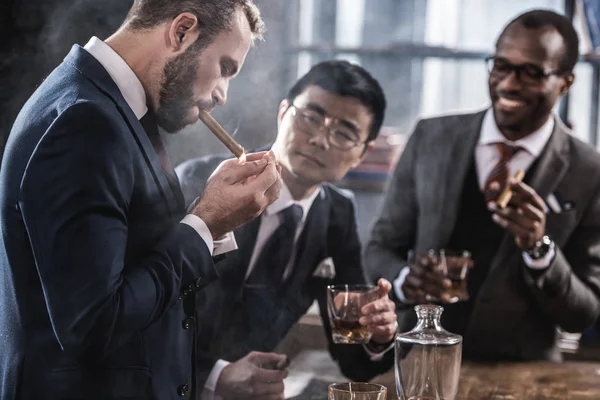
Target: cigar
[
  {"x": 222, "y": 135},
  {"x": 506, "y": 194}
]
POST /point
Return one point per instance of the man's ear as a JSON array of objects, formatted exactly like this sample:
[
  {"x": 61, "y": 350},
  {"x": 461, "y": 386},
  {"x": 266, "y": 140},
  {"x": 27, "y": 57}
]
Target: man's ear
[
  {"x": 569, "y": 79},
  {"x": 182, "y": 32},
  {"x": 368, "y": 147},
  {"x": 283, "y": 107}
]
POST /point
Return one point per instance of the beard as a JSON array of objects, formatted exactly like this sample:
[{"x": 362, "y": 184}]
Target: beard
[{"x": 176, "y": 96}]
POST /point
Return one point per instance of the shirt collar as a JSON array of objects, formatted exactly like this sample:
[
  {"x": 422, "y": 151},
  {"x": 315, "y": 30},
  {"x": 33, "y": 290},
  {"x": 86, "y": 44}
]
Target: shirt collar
[
  {"x": 533, "y": 143},
  {"x": 127, "y": 81},
  {"x": 285, "y": 200}
]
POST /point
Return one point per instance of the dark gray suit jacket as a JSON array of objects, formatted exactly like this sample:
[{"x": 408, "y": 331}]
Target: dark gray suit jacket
[
  {"x": 514, "y": 314},
  {"x": 330, "y": 231}
]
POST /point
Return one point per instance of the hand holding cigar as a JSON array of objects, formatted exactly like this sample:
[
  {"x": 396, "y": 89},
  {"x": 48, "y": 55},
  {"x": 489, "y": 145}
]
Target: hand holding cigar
[
  {"x": 222, "y": 135},
  {"x": 525, "y": 219},
  {"x": 506, "y": 194}
]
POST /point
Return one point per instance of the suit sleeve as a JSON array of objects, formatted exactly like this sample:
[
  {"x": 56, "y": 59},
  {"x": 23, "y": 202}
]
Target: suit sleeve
[
  {"x": 75, "y": 198},
  {"x": 569, "y": 290},
  {"x": 393, "y": 232},
  {"x": 345, "y": 250}
]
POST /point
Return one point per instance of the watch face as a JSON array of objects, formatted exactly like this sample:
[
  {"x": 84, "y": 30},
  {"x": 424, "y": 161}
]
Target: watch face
[{"x": 541, "y": 248}]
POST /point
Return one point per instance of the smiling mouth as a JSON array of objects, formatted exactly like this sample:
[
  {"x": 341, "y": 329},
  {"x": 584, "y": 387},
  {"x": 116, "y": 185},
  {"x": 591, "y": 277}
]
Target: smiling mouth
[
  {"x": 510, "y": 104},
  {"x": 313, "y": 160}
]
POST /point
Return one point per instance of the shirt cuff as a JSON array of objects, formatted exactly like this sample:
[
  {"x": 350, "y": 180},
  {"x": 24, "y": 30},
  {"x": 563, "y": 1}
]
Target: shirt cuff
[
  {"x": 541, "y": 263},
  {"x": 211, "y": 383},
  {"x": 200, "y": 226},
  {"x": 377, "y": 356},
  {"x": 225, "y": 244},
  {"x": 398, "y": 282}
]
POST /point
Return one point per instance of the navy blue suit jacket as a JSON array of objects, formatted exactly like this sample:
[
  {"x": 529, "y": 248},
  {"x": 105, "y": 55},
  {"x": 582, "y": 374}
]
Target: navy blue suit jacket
[
  {"x": 97, "y": 277},
  {"x": 330, "y": 230}
]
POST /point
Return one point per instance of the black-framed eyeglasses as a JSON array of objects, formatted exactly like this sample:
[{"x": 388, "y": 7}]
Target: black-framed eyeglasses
[
  {"x": 312, "y": 122},
  {"x": 531, "y": 74}
]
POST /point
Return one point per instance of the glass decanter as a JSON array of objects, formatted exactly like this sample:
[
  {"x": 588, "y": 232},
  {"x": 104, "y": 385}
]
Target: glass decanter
[{"x": 428, "y": 359}]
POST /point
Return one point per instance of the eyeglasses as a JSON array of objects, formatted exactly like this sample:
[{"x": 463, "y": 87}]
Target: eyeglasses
[
  {"x": 311, "y": 122},
  {"x": 528, "y": 74}
]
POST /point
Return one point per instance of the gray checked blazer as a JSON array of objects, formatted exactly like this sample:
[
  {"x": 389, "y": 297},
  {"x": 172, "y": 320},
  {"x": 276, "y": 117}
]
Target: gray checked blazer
[{"x": 514, "y": 314}]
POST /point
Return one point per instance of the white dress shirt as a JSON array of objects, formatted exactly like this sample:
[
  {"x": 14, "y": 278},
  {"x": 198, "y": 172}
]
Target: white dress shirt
[
  {"x": 486, "y": 157},
  {"x": 270, "y": 220},
  {"x": 133, "y": 92}
]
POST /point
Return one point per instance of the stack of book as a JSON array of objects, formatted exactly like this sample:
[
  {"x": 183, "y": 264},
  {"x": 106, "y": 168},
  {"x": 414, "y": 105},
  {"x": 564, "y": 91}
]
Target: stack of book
[{"x": 374, "y": 171}]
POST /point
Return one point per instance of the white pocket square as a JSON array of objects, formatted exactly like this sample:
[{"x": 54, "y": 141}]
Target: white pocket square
[
  {"x": 325, "y": 269},
  {"x": 553, "y": 204}
]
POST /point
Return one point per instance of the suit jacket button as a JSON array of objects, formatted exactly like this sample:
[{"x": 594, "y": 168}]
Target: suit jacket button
[
  {"x": 188, "y": 323},
  {"x": 183, "y": 389},
  {"x": 198, "y": 282}
]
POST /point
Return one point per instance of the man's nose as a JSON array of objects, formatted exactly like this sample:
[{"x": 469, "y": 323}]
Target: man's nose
[
  {"x": 511, "y": 82},
  {"x": 220, "y": 93},
  {"x": 321, "y": 137}
]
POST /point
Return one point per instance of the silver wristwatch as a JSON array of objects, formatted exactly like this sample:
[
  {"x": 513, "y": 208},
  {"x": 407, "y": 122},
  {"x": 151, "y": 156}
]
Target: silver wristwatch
[{"x": 540, "y": 248}]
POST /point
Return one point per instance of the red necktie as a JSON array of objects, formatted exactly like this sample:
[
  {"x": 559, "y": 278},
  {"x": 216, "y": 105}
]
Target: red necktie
[{"x": 500, "y": 171}]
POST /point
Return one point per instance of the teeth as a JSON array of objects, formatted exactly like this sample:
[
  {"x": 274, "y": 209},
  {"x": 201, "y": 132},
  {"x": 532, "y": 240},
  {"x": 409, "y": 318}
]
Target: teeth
[{"x": 510, "y": 103}]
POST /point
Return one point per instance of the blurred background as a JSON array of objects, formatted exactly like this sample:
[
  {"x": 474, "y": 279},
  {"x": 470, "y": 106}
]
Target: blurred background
[{"x": 427, "y": 54}]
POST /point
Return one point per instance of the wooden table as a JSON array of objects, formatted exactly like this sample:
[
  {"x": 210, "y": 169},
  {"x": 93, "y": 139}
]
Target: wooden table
[{"x": 522, "y": 381}]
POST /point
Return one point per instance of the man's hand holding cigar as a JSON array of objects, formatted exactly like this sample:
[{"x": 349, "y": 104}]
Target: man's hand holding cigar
[
  {"x": 525, "y": 215},
  {"x": 237, "y": 192}
]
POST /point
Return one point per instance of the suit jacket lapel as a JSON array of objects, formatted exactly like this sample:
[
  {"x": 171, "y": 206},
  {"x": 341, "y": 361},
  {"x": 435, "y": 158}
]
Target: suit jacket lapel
[
  {"x": 552, "y": 164},
  {"x": 459, "y": 158},
  {"x": 86, "y": 64}
]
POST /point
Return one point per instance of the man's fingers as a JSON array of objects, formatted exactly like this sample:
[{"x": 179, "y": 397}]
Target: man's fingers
[
  {"x": 256, "y": 156},
  {"x": 518, "y": 217},
  {"x": 233, "y": 172},
  {"x": 413, "y": 281},
  {"x": 272, "y": 193},
  {"x": 529, "y": 195},
  {"x": 412, "y": 294},
  {"x": 383, "y": 318},
  {"x": 378, "y": 306},
  {"x": 270, "y": 375},
  {"x": 384, "y": 287},
  {"x": 436, "y": 278},
  {"x": 511, "y": 226},
  {"x": 435, "y": 291},
  {"x": 416, "y": 270},
  {"x": 266, "y": 179},
  {"x": 267, "y": 360}
]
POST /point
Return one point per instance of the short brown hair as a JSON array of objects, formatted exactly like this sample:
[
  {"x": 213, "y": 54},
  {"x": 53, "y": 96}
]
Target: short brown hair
[{"x": 213, "y": 16}]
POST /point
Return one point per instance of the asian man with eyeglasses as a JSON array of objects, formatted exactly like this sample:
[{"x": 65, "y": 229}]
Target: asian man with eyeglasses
[{"x": 326, "y": 125}]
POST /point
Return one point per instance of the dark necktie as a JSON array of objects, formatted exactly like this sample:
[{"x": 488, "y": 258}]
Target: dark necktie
[
  {"x": 150, "y": 125},
  {"x": 500, "y": 171},
  {"x": 277, "y": 251}
]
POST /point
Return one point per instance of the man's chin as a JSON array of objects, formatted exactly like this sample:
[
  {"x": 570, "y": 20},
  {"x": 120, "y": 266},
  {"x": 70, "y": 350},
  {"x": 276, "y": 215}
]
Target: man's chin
[{"x": 175, "y": 126}]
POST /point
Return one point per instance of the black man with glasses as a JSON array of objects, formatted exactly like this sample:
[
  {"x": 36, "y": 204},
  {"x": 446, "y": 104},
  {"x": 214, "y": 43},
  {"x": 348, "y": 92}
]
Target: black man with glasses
[
  {"x": 536, "y": 262},
  {"x": 306, "y": 240}
]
